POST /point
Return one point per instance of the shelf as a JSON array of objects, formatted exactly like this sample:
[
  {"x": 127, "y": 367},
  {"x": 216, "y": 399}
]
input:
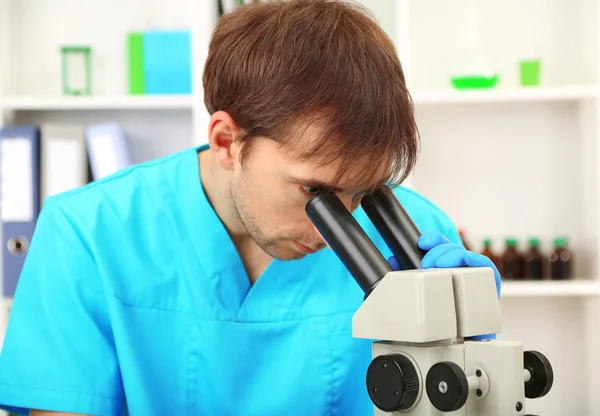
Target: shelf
[
  {"x": 146, "y": 102},
  {"x": 550, "y": 288},
  {"x": 499, "y": 96},
  {"x": 5, "y": 304}
]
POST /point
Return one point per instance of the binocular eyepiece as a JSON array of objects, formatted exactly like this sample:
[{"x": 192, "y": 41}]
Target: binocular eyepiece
[{"x": 352, "y": 245}]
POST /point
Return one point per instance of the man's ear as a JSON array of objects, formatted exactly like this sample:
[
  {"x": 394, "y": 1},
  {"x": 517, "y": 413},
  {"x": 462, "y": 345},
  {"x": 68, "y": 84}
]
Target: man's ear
[{"x": 222, "y": 132}]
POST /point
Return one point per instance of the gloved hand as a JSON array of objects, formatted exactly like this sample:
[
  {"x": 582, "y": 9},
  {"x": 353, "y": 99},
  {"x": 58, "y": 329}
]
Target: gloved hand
[{"x": 441, "y": 253}]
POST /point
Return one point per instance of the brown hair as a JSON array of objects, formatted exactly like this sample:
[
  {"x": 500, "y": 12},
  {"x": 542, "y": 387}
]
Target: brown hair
[{"x": 277, "y": 64}]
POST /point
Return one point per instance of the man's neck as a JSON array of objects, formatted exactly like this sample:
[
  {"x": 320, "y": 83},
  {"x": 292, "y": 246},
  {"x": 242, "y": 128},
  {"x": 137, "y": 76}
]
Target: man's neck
[{"x": 216, "y": 187}]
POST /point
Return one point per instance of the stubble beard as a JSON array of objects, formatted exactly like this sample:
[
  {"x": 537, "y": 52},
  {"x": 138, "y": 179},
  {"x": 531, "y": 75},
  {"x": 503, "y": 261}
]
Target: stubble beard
[{"x": 258, "y": 232}]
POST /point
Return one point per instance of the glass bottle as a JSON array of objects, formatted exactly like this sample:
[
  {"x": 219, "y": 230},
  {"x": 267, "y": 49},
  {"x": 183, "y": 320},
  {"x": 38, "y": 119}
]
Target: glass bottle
[
  {"x": 560, "y": 260},
  {"x": 511, "y": 261},
  {"x": 489, "y": 253},
  {"x": 533, "y": 261}
]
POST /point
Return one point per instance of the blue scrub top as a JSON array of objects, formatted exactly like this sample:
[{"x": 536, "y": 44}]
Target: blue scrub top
[{"x": 133, "y": 300}]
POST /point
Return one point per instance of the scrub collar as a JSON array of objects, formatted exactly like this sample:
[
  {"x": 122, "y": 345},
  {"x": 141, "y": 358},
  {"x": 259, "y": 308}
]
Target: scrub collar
[{"x": 274, "y": 294}]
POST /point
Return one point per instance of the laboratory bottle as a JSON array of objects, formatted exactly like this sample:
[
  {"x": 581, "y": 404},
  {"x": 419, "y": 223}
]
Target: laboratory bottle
[
  {"x": 533, "y": 261},
  {"x": 489, "y": 253},
  {"x": 560, "y": 260},
  {"x": 471, "y": 66},
  {"x": 511, "y": 261}
]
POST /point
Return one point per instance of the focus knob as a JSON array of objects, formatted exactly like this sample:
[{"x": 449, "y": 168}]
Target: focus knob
[
  {"x": 447, "y": 386},
  {"x": 541, "y": 374},
  {"x": 393, "y": 382}
]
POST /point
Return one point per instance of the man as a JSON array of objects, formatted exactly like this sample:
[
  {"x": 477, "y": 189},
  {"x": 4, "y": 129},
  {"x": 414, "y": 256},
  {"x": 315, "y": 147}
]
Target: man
[{"x": 196, "y": 284}]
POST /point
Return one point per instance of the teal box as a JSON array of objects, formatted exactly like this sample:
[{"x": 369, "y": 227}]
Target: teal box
[{"x": 167, "y": 62}]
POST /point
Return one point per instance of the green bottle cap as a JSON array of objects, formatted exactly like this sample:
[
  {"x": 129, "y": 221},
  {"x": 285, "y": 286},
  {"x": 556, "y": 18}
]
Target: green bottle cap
[
  {"x": 487, "y": 242},
  {"x": 534, "y": 242},
  {"x": 560, "y": 242},
  {"x": 511, "y": 242}
]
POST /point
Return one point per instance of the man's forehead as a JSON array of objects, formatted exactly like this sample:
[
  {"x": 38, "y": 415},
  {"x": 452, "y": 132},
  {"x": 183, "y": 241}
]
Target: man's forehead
[
  {"x": 329, "y": 161},
  {"x": 360, "y": 176}
]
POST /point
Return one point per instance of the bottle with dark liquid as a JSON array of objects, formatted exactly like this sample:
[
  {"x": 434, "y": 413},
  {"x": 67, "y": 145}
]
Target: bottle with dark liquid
[
  {"x": 533, "y": 261},
  {"x": 560, "y": 260},
  {"x": 487, "y": 251},
  {"x": 511, "y": 261}
]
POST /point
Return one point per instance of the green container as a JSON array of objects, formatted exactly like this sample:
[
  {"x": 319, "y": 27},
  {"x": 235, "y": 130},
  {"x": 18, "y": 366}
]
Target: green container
[
  {"x": 135, "y": 49},
  {"x": 474, "y": 81},
  {"x": 530, "y": 72},
  {"x": 76, "y": 70}
]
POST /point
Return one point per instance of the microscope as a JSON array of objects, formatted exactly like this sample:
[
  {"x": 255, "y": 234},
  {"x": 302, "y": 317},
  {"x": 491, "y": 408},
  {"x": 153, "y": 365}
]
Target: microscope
[{"x": 428, "y": 356}]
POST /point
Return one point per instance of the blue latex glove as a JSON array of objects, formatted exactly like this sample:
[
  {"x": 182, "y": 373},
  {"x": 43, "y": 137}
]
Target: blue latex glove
[{"x": 441, "y": 253}]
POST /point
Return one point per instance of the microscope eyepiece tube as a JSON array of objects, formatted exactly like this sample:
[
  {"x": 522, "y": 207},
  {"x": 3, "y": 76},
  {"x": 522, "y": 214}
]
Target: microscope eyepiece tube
[
  {"x": 395, "y": 226},
  {"x": 348, "y": 240}
]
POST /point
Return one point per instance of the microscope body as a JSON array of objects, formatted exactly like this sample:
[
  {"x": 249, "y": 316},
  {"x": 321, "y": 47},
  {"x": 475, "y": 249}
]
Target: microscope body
[
  {"x": 422, "y": 364},
  {"x": 425, "y": 359},
  {"x": 473, "y": 358}
]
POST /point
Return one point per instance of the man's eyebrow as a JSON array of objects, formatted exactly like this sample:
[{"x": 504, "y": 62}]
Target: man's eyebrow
[{"x": 317, "y": 183}]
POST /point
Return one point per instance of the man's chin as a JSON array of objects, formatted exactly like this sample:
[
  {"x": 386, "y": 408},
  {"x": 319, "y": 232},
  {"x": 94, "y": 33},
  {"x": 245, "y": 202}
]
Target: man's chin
[{"x": 287, "y": 255}]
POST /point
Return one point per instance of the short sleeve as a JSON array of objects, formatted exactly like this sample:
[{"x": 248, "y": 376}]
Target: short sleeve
[{"x": 58, "y": 352}]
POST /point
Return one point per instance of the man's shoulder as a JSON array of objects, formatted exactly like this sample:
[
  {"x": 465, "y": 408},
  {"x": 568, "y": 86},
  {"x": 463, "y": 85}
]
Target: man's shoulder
[{"x": 121, "y": 194}]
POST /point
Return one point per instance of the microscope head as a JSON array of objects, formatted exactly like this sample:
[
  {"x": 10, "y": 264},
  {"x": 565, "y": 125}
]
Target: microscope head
[{"x": 413, "y": 305}]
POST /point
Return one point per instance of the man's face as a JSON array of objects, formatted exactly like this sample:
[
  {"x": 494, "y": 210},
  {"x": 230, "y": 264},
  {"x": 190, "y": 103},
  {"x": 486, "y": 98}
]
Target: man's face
[{"x": 270, "y": 191}]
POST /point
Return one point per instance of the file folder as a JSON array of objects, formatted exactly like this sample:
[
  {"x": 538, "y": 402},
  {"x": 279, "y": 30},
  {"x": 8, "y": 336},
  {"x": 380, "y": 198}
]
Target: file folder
[
  {"x": 19, "y": 198},
  {"x": 64, "y": 160},
  {"x": 108, "y": 149}
]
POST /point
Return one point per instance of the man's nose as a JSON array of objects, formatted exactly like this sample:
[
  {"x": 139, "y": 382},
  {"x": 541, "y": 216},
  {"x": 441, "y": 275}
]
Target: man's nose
[{"x": 321, "y": 241}]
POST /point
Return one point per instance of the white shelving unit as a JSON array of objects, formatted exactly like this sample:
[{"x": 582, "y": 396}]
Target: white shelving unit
[
  {"x": 517, "y": 162},
  {"x": 125, "y": 102},
  {"x": 549, "y": 289},
  {"x": 534, "y": 95},
  {"x": 502, "y": 162},
  {"x": 32, "y": 32}
]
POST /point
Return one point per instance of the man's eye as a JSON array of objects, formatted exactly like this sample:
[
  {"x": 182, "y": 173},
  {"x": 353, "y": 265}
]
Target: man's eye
[{"x": 311, "y": 190}]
